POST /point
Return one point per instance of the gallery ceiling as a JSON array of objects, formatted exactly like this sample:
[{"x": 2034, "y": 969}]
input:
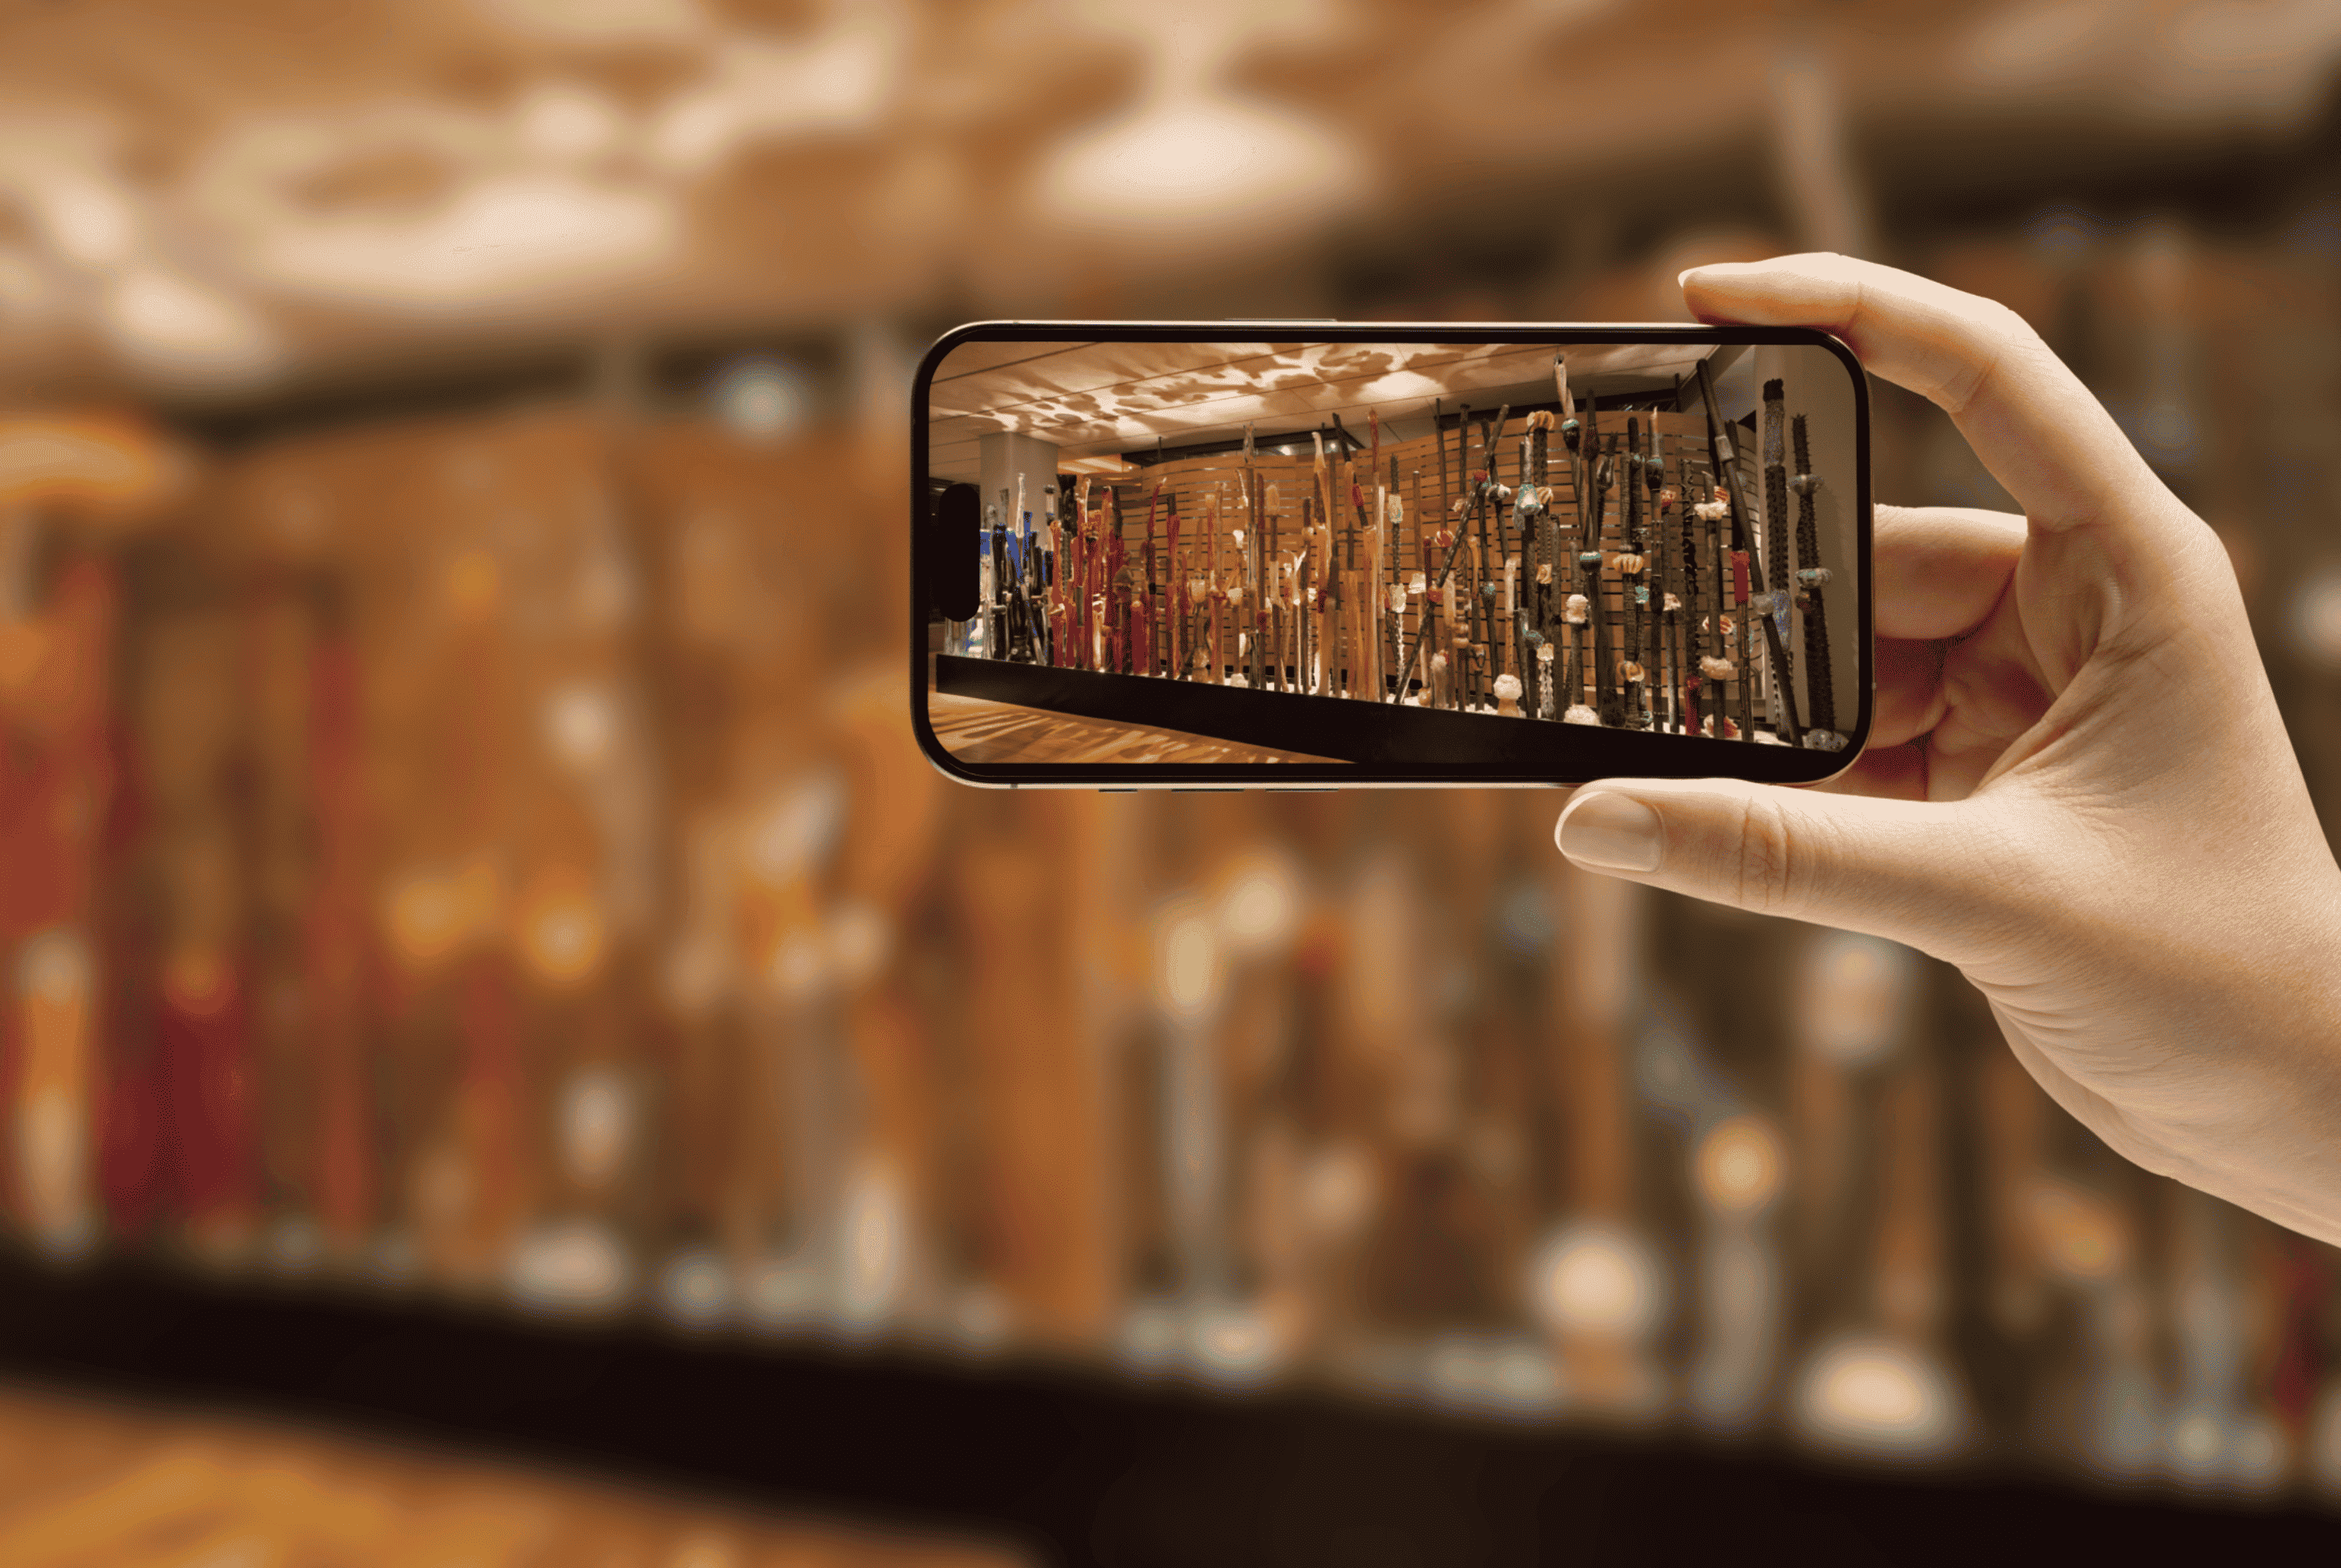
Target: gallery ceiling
[{"x": 201, "y": 199}]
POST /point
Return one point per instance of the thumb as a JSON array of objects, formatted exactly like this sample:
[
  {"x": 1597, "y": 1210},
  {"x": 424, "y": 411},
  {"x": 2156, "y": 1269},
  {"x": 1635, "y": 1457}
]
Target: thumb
[{"x": 1911, "y": 871}]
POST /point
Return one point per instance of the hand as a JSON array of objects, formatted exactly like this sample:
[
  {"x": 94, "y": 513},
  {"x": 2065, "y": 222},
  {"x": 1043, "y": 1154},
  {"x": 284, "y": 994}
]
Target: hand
[{"x": 2077, "y": 788}]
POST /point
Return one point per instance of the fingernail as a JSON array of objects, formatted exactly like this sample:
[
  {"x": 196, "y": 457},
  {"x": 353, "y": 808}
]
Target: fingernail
[
  {"x": 1684, "y": 273},
  {"x": 1607, "y": 832}
]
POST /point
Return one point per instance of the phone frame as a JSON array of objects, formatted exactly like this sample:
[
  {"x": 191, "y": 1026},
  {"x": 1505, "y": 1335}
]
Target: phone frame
[{"x": 1605, "y": 752}]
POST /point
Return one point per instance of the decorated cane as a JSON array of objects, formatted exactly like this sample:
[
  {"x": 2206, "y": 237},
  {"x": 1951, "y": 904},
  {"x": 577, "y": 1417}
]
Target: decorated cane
[
  {"x": 1812, "y": 579},
  {"x": 1175, "y": 599},
  {"x": 1268, "y": 516},
  {"x": 1608, "y": 701},
  {"x": 1141, "y": 637},
  {"x": 1775, "y": 604},
  {"x": 1633, "y": 594},
  {"x": 1077, "y": 581},
  {"x": 1434, "y": 597},
  {"x": 1377, "y": 554},
  {"x": 1725, "y": 462},
  {"x": 1666, "y": 661}
]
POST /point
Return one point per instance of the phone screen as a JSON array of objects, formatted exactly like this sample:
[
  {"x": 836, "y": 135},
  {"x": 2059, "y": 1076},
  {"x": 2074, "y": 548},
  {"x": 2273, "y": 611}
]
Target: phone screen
[{"x": 1147, "y": 555}]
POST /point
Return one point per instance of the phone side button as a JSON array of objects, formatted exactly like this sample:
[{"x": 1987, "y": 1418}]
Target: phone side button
[{"x": 1206, "y": 789}]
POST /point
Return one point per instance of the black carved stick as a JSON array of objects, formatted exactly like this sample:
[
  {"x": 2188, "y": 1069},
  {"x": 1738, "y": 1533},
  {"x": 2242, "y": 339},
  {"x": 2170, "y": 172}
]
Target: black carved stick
[
  {"x": 1727, "y": 470},
  {"x": 1774, "y": 603},
  {"x": 1812, "y": 578}
]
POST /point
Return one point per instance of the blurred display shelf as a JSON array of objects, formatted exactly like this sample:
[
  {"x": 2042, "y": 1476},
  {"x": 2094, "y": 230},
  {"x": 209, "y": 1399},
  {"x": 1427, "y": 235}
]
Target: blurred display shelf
[{"x": 1073, "y": 1463}]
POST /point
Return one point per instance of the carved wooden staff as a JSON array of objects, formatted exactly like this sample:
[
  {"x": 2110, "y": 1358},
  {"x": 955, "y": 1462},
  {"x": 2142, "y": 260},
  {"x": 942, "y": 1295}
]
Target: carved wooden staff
[
  {"x": 1537, "y": 543},
  {"x": 1077, "y": 579},
  {"x": 1215, "y": 594},
  {"x": 1260, "y": 585},
  {"x": 1327, "y": 587},
  {"x": 1117, "y": 584},
  {"x": 1608, "y": 701},
  {"x": 1003, "y": 578},
  {"x": 1314, "y": 522},
  {"x": 1094, "y": 582},
  {"x": 1174, "y": 607},
  {"x": 1774, "y": 606},
  {"x": 1262, "y": 538},
  {"x": 1727, "y": 471},
  {"x": 1485, "y": 565},
  {"x": 1355, "y": 617},
  {"x": 1370, "y": 603},
  {"x": 1434, "y": 554},
  {"x": 1426, "y": 542},
  {"x": 1341, "y": 568},
  {"x": 1633, "y": 593},
  {"x": 1692, "y": 678},
  {"x": 1387, "y": 586},
  {"x": 1721, "y": 666},
  {"x": 1028, "y": 635},
  {"x": 1082, "y": 581},
  {"x": 1267, "y": 604},
  {"x": 1666, "y": 661},
  {"x": 1056, "y": 505},
  {"x": 1812, "y": 578},
  {"x": 1142, "y": 597},
  {"x": 1576, "y": 609},
  {"x": 1493, "y": 499},
  {"x": 995, "y": 620},
  {"x": 1462, "y": 606}
]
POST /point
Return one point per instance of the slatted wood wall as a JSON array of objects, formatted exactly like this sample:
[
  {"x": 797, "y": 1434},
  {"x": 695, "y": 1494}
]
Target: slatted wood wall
[{"x": 1206, "y": 493}]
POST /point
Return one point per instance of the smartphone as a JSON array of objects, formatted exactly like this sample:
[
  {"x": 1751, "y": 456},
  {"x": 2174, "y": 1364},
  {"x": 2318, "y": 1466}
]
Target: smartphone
[{"x": 1309, "y": 555}]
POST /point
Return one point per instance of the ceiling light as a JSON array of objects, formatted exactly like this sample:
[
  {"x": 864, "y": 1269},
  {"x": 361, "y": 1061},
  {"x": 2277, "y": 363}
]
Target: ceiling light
[
  {"x": 174, "y": 324},
  {"x": 498, "y": 240}
]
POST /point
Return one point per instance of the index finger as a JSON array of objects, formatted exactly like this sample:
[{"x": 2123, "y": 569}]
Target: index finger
[{"x": 2030, "y": 420}]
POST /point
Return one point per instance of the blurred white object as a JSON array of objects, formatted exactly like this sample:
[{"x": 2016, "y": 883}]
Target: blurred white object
[
  {"x": 1739, "y": 1166},
  {"x": 2325, "y": 1440},
  {"x": 56, "y": 978},
  {"x": 571, "y": 1265},
  {"x": 695, "y": 1289},
  {"x": 1868, "y": 1395},
  {"x": 516, "y": 239},
  {"x": 1232, "y": 1345},
  {"x": 837, "y": 79},
  {"x": 2315, "y": 618},
  {"x": 874, "y": 1266},
  {"x": 1188, "y": 980},
  {"x": 1600, "y": 1292},
  {"x": 1492, "y": 1374},
  {"x": 180, "y": 329},
  {"x": 1597, "y": 1280},
  {"x": 1856, "y": 997},
  {"x": 580, "y": 726},
  {"x": 2219, "y": 1435},
  {"x": 567, "y": 122},
  {"x": 597, "y": 1126},
  {"x": 1259, "y": 904},
  {"x": 760, "y": 399},
  {"x": 1191, "y": 163},
  {"x": 1739, "y": 1170}
]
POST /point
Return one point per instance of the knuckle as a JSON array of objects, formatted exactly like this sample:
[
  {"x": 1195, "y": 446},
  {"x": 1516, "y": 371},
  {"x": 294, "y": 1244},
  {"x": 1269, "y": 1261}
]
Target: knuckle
[
  {"x": 2011, "y": 327},
  {"x": 1771, "y": 859}
]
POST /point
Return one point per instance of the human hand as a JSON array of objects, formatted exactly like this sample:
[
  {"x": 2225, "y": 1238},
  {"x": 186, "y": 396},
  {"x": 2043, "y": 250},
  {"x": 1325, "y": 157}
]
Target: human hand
[{"x": 2076, "y": 785}]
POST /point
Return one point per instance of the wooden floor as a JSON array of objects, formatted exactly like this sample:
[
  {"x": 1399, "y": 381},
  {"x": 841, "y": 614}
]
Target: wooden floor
[
  {"x": 85, "y": 1484},
  {"x": 976, "y": 730}
]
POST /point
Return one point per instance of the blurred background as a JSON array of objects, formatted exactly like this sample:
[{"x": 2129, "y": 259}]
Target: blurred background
[{"x": 464, "y": 868}]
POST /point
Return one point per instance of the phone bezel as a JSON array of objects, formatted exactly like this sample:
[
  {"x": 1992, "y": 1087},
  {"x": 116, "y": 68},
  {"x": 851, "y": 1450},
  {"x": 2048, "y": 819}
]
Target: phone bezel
[{"x": 1602, "y": 752}]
